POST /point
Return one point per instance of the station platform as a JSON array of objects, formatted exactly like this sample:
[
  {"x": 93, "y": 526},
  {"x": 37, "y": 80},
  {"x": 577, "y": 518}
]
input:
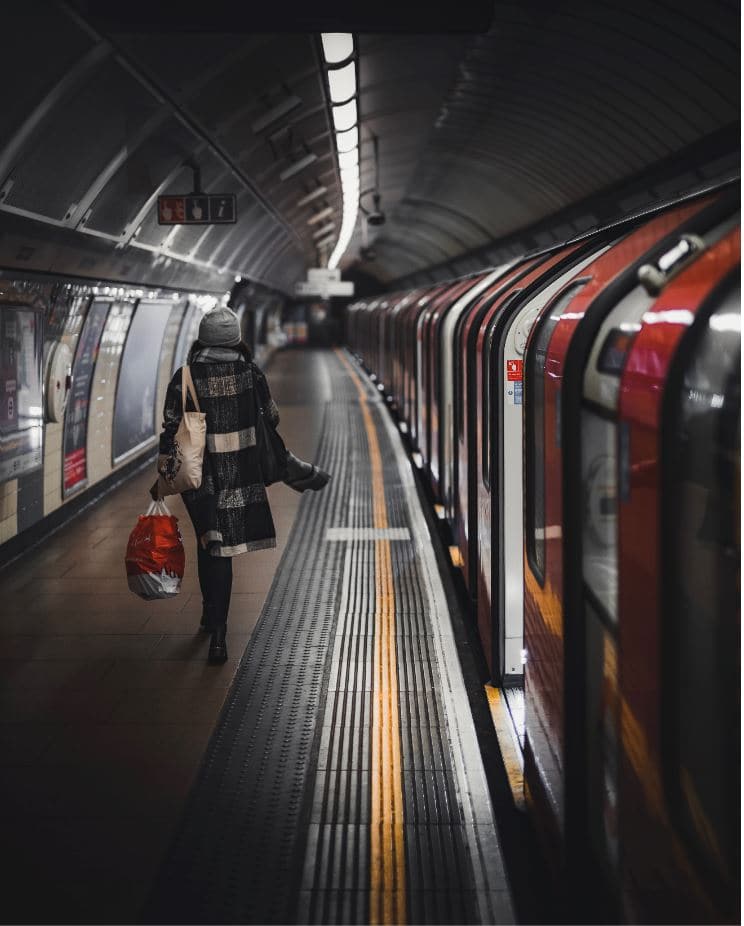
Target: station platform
[{"x": 329, "y": 772}]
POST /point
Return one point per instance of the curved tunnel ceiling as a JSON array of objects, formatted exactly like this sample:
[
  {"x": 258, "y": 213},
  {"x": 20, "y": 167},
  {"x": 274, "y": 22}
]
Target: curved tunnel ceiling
[
  {"x": 480, "y": 136},
  {"x": 485, "y": 135},
  {"x": 102, "y": 125}
]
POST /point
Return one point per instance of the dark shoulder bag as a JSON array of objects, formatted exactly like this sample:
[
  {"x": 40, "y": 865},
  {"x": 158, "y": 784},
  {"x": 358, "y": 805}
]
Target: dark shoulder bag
[{"x": 272, "y": 454}]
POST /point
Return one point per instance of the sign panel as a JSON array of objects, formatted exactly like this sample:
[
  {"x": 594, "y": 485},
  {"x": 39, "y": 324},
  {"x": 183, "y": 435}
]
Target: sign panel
[
  {"x": 514, "y": 371},
  {"x": 323, "y": 275},
  {"x": 324, "y": 290},
  {"x": 75, "y": 439},
  {"x": 134, "y": 408},
  {"x": 21, "y": 410},
  {"x": 197, "y": 209}
]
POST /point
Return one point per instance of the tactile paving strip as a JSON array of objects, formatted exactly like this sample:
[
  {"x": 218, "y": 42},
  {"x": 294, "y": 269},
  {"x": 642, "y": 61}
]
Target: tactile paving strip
[
  {"x": 237, "y": 856},
  {"x": 277, "y": 828}
]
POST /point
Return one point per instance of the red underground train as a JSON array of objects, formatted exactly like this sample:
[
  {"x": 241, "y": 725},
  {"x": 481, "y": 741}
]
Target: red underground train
[{"x": 577, "y": 415}]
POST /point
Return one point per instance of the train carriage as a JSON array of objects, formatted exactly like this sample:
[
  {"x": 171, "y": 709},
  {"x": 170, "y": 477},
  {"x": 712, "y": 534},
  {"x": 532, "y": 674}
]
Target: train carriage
[{"x": 597, "y": 528}]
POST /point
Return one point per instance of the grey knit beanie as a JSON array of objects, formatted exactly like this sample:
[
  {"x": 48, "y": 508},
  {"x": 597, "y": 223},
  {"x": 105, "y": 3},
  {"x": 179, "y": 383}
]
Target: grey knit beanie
[{"x": 220, "y": 328}]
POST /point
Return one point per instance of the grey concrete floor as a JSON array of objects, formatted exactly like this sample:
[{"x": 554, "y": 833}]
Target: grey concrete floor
[{"x": 107, "y": 701}]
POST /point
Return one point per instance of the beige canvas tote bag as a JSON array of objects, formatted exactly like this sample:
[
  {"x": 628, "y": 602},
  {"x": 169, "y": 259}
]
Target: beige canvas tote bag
[{"x": 181, "y": 470}]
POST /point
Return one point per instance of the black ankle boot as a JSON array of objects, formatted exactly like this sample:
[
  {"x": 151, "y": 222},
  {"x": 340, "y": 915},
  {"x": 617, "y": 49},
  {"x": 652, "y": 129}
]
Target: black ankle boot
[{"x": 218, "y": 645}]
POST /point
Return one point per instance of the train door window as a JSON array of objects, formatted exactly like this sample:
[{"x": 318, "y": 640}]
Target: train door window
[
  {"x": 701, "y": 537},
  {"x": 535, "y": 428},
  {"x": 599, "y": 540},
  {"x": 457, "y": 378},
  {"x": 488, "y": 386},
  {"x": 490, "y": 381},
  {"x": 600, "y": 573}
]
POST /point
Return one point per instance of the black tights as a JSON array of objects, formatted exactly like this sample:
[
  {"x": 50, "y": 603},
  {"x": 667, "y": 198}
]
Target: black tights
[{"x": 215, "y": 581}]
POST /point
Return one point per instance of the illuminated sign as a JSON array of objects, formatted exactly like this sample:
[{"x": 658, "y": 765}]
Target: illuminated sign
[{"x": 197, "y": 209}]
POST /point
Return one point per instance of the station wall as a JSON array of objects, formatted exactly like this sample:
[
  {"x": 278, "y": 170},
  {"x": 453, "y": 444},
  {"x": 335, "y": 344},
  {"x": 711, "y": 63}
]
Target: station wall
[{"x": 102, "y": 433}]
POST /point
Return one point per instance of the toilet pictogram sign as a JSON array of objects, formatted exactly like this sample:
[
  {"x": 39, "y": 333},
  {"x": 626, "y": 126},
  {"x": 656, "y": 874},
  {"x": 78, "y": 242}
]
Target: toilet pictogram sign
[{"x": 197, "y": 209}]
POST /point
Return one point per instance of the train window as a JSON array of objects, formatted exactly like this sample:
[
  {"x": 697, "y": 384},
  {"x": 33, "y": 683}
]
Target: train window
[
  {"x": 702, "y": 512},
  {"x": 535, "y": 427},
  {"x": 459, "y": 395},
  {"x": 488, "y": 387},
  {"x": 615, "y": 349},
  {"x": 490, "y": 381},
  {"x": 599, "y": 535}
]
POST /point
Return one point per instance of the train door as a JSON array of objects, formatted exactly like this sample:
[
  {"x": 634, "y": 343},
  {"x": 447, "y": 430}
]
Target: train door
[
  {"x": 507, "y": 373},
  {"x": 434, "y": 393},
  {"x": 484, "y": 499},
  {"x": 467, "y": 401},
  {"x": 701, "y": 522},
  {"x": 447, "y": 355},
  {"x": 555, "y": 727},
  {"x": 600, "y": 475},
  {"x": 679, "y": 494},
  {"x": 416, "y": 357},
  {"x": 593, "y": 561}
]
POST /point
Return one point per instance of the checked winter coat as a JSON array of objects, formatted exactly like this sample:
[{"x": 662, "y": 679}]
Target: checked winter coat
[{"x": 230, "y": 510}]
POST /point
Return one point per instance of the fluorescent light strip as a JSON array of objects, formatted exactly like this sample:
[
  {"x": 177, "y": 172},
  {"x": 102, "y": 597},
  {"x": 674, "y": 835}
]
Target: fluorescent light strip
[
  {"x": 337, "y": 46},
  {"x": 298, "y": 166},
  {"x": 329, "y": 227},
  {"x": 315, "y": 194},
  {"x": 345, "y": 116},
  {"x": 319, "y": 216},
  {"x": 348, "y": 159},
  {"x": 345, "y": 141},
  {"x": 342, "y": 83},
  {"x": 281, "y": 109}
]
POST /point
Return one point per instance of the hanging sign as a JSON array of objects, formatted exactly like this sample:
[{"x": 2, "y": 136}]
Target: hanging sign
[
  {"x": 324, "y": 289},
  {"x": 198, "y": 209}
]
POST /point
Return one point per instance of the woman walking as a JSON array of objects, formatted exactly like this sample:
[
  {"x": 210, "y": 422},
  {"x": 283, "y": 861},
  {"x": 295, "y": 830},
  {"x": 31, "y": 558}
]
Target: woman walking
[{"x": 230, "y": 509}]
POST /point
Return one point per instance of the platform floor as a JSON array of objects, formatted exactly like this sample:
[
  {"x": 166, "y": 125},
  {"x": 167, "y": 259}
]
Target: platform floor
[{"x": 335, "y": 778}]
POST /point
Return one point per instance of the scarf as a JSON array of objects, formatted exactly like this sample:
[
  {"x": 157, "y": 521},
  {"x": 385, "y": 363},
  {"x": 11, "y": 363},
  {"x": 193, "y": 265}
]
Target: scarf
[{"x": 218, "y": 355}]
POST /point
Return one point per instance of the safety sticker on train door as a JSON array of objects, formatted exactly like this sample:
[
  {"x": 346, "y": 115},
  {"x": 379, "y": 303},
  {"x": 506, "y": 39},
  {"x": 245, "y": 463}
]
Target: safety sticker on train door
[
  {"x": 514, "y": 371},
  {"x": 514, "y": 379}
]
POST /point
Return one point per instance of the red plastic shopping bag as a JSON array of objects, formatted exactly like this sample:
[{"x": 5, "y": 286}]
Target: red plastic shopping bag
[{"x": 155, "y": 559}]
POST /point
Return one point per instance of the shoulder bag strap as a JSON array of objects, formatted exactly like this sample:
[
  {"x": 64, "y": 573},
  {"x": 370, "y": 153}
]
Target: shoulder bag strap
[{"x": 187, "y": 385}]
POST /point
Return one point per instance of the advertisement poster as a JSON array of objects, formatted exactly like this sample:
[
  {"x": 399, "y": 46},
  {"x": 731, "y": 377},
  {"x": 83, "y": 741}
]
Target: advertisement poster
[
  {"x": 75, "y": 473},
  {"x": 186, "y": 336},
  {"x": 21, "y": 412},
  {"x": 134, "y": 410}
]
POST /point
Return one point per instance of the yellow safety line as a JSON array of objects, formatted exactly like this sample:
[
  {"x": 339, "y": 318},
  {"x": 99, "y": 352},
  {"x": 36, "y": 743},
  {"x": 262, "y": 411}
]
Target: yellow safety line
[
  {"x": 502, "y": 723},
  {"x": 387, "y": 847}
]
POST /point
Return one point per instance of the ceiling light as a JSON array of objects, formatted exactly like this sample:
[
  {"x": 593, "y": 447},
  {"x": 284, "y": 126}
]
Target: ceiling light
[
  {"x": 314, "y": 194},
  {"x": 342, "y": 83},
  {"x": 337, "y": 46},
  {"x": 281, "y": 109},
  {"x": 345, "y": 141},
  {"x": 297, "y": 166},
  {"x": 345, "y": 116},
  {"x": 319, "y": 216},
  {"x": 329, "y": 227},
  {"x": 349, "y": 159}
]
